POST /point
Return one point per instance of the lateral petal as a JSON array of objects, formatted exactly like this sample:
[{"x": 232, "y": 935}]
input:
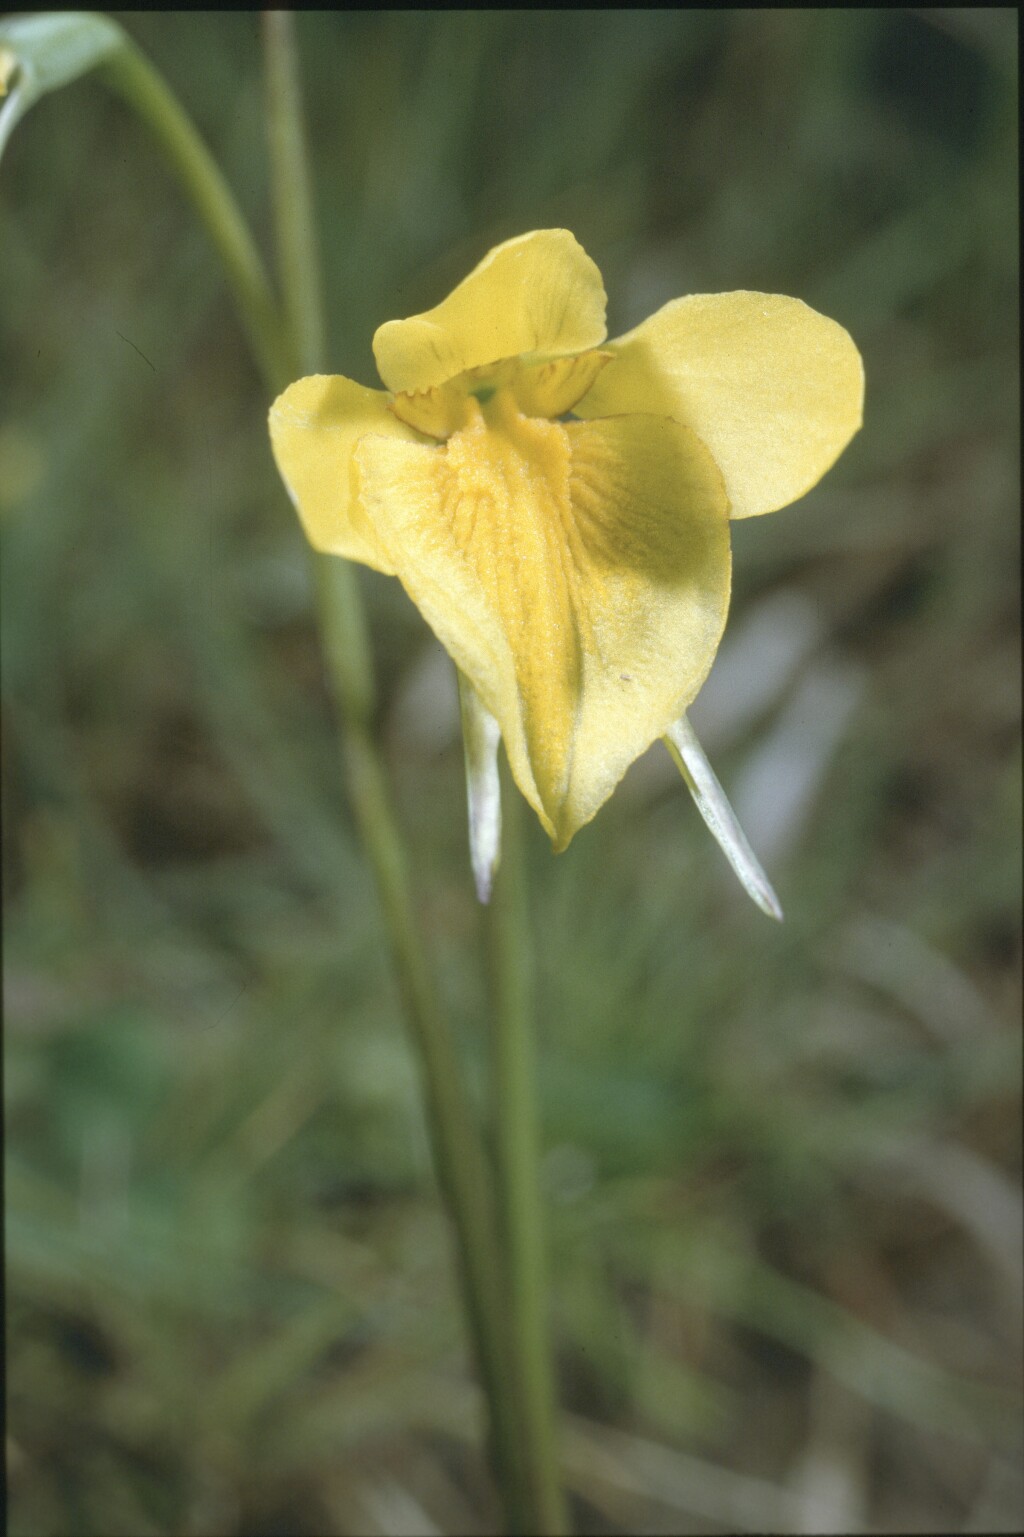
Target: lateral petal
[
  {"x": 314, "y": 426},
  {"x": 540, "y": 386},
  {"x": 578, "y": 575},
  {"x": 774, "y": 389},
  {"x": 537, "y": 293}
]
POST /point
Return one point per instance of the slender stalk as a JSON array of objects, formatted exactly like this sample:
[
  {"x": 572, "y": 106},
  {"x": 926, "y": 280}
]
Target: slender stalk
[
  {"x": 457, "y": 1146},
  {"x": 517, "y": 1147},
  {"x": 281, "y": 349},
  {"x": 295, "y": 222}
]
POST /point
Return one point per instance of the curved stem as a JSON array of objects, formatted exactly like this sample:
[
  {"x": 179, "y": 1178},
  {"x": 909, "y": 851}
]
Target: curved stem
[
  {"x": 517, "y": 1146},
  {"x": 294, "y": 220},
  {"x": 281, "y": 350},
  {"x": 128, "y": 72}
]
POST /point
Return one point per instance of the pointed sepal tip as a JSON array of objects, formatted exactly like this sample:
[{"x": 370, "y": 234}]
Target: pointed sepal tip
[{"x": 714, "y": 807}]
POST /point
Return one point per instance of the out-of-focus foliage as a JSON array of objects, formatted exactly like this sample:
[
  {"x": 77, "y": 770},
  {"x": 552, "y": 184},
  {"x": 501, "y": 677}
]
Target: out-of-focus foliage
[{"x": 783, "y": 1162}]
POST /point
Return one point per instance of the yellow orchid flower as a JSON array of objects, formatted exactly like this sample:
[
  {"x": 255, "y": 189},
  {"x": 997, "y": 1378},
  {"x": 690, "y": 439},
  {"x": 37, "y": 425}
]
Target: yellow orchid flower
[{"x": 558, "y": 509}]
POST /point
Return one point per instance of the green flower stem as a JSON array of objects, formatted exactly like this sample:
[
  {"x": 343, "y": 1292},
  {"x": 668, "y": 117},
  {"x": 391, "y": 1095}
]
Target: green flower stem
[
  {"x": 129, "y": 73},
  {"x": 517, "y": 1149},
  {"x": 457, "y": 1147},
  {"x": 456, "y": 1142},
  {"x": 295, "y": 223},
  {"x": 279, "y": 348}
]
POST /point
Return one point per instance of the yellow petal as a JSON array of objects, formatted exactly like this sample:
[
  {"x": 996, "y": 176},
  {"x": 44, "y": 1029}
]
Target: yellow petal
[
  {"x": 578, "y": 575},
  {"x": 774, "y": 389},
  {"x": 537, "y": 293},
  {"x": 547, "y": 387},
  {"x": 314, "y": 426},
  {"x": 437, "y": 413},
  {"x": 553, "y": 387}
]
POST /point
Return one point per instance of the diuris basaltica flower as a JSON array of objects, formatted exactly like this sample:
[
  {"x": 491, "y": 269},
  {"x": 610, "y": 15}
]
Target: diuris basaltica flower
[{"x": 558, "y": 508}]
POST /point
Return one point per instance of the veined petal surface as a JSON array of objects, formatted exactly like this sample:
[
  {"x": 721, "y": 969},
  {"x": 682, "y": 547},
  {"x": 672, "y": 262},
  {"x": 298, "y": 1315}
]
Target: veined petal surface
[
  {"x": 537, "y": 293},
  {"x": 774, "y": 389},
  {"x": 578, "y": 574},
  {"x": 314, "y": 426}
]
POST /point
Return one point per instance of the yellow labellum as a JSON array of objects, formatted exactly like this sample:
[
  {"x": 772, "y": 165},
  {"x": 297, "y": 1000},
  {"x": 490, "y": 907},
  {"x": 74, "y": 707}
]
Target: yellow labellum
[
  {"x": 577, "y": 573},
  {"x": 577, "y": 570}
]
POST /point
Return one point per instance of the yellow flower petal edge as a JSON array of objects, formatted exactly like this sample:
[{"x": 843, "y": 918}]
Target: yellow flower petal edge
[
  {"x": 536, "y": 293},
  {"x": 314, "y": 426},
  {"x": 577, "y": 573},
  {"x": 775, "y": 390}
]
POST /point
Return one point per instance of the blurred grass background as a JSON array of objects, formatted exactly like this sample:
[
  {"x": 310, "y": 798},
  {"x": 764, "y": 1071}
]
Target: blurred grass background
[{"x": 783, "y": 1163}]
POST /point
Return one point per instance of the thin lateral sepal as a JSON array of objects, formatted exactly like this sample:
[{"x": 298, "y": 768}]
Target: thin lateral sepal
[
  {"x": 713, "y": 805},
  {"x": 481, "y": 736}
]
